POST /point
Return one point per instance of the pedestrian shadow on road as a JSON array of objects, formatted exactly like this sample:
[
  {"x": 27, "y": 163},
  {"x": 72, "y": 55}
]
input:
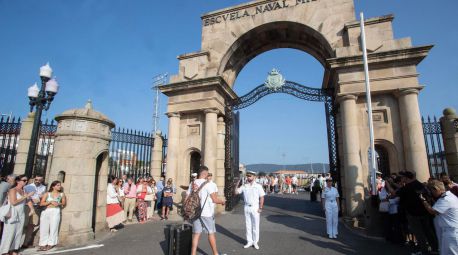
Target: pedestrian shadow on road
[
  {"x": 311, "y": 226},
  {"x": 331, "y": 245},
  {"x": 222, "y": 230},
  {"x": 294, "y": 204}
]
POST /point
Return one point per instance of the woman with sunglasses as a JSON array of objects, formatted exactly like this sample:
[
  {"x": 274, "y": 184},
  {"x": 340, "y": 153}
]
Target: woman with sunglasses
[
  {"x": 12, "y": 233},
  {"x": 142, "y": 190},
  {"x": 330, "y": 204}
]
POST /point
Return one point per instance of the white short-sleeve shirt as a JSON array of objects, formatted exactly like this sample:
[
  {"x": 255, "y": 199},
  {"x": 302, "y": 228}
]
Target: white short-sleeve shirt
[
  {"x": 206, "y": 202},
  {"x": 447, "y": 207},
  {"x": 330, "y": 194},
  {"x": 251, "y": 194}
]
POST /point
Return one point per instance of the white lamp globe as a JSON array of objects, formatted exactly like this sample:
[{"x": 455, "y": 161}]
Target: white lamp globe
[
  {"x": 33, "y": 91},
  {"x": 46, "y": 71},
  {"x": 52, "y": 87}
]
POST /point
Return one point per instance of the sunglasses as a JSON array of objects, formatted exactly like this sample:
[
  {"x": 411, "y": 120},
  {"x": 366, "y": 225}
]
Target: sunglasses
[
  {"x": 328, "y": 180},
  {"x": 24, "y": 180}
]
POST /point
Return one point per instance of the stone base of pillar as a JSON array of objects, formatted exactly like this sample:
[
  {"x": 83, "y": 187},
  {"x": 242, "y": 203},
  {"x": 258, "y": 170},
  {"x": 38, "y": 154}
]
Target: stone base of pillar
[{"x": 76, "y": 238}]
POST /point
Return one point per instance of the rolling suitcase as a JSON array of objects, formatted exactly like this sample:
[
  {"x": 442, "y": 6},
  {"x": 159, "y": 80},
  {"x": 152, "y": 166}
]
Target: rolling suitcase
[{"x": 180, "y": 239}]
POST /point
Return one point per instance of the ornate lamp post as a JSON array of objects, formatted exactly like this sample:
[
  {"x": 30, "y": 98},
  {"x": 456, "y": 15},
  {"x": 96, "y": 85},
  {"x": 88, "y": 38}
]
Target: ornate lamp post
[{"x": 41, "y": 99}]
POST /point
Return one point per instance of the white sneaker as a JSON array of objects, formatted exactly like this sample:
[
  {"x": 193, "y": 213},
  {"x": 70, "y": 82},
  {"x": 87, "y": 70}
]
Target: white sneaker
[
  {"x": 256, "y": 246},
  {"x": 330, "y": 237},
  {"x": 248, "y": 245}
]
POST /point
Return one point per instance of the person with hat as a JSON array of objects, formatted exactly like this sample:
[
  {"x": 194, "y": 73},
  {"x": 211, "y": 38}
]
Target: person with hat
[
  {"x": 253, "y": 195},
  {"x": 330, "y": 204}
]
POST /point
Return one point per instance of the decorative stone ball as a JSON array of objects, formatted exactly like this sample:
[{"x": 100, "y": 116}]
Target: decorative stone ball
[
  {"x": 449, "y": 112},
  {"x": 158, "y": 132},
  {"x": 220, "y": 119}
]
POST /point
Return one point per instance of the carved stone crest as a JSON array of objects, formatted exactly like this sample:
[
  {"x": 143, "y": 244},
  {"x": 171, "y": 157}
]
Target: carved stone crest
[{"x": 275, "y": 80}]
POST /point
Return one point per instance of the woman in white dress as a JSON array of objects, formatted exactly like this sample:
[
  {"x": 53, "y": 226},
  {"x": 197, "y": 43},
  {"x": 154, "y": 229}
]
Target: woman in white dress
[
  {"x": 330, "y": 204},
  {"x": 13, "y": 228},
  {"x": 53, "y": 201}
]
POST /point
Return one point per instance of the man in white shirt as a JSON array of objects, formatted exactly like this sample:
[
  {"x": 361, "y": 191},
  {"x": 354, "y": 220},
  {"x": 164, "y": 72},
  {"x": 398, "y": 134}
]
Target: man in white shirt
[
  {"x": 253, "y": 195},
  {"x": 34, "y": 220},
  {"x": 294, "y": 182},
  {"x": 206, "y": 222}
]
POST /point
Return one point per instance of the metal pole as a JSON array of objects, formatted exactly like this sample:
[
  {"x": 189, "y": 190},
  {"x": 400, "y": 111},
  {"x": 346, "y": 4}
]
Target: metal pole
[
  {"x": 372, "y": 166},
  {"x": 36, "y": 128}
]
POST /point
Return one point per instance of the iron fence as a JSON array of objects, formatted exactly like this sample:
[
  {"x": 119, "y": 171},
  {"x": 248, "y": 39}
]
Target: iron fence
[
  {"x": 130, "y": 153},
  {"x": 432, "y": 131},
  {"x": 45, "y": 148},
  {"x": 9, "y": 139}
]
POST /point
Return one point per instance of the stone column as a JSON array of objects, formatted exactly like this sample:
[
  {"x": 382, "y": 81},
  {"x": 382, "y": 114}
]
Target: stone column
[
  {"x": 211, "y": 135},
  {"x": 219, "y": 175},
  {"x": 156, "y": 164},
  {"x": 24, "y": 142},
  {"x": 354, "y": 185},
  {"x": 173, "y": 147},
  {"x": 412, "y": 132},
  {"x": 449, "y": 123}
]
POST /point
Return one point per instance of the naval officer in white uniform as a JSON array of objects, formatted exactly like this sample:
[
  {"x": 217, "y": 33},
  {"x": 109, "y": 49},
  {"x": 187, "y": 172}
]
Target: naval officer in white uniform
[
  {"x": 253, "y": 195},
  {"x": 330, "y": 204}
]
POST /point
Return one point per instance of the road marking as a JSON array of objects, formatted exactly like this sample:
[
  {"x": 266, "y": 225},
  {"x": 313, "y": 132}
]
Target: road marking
[{"x": 94, "y": 246}]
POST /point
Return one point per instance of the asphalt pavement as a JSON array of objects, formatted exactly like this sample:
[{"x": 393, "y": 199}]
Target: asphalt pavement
[{"x": 290, "y": 224}]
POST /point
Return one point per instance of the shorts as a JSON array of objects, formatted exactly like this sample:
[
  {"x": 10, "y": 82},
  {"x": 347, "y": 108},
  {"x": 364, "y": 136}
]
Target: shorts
[
  {"x": 167, "y": 201},
  {"x": 294, "y": 186},
  {"x": 204, "y": 223}
]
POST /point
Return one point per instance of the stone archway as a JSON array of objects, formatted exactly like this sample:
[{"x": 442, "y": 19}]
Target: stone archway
[{"x": 328, "y": 30}]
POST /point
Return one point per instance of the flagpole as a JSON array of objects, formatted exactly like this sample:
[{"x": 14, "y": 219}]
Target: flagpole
[{"x": 372, "y": 166}]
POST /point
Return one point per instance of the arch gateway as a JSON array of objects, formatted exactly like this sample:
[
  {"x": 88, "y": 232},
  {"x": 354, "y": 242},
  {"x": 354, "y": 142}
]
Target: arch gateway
[{"x": 199, "y": 95}]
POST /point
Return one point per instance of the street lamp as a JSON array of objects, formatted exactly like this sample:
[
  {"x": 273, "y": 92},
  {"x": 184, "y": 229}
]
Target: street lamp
[{"x": 41, "y": 99}]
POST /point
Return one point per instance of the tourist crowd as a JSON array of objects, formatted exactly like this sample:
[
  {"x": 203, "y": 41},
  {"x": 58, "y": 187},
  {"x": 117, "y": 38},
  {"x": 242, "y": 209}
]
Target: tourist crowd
[
  {"x": 424, "y": 215},
  {"x": 26, "y": 206},
  {"x": 127, "y": 199},
  {"x": 278, "y": 183}
]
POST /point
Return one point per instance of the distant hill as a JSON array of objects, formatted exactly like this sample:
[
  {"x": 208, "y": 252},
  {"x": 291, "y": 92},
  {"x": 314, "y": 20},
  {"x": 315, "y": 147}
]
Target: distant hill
[{"x": 269, "y": 168}]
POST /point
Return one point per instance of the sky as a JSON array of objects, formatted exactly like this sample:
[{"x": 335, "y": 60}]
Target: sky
[{"x": 109, "y": 51}]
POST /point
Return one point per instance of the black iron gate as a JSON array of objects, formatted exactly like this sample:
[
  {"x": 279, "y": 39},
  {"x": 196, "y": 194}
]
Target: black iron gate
[
  {"x": 9, "y": 138},
  {"x": 291, "y": 88},
  {"x": 432, "y": 130}
]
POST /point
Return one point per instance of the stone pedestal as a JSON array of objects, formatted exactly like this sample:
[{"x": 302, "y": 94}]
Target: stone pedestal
[
  {"x": 81, "y": 160},
  {"x": 449, "y": 123},
  {"x": 412, "y": 129},
  {"x": 24, "y": 144},
  {"x": 156, "y": 164}
]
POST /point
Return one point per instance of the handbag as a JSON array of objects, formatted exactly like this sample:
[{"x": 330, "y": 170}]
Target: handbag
[
  {"x": 5, "y": 211},
  {"x": 149, "y": 197},
  {"x": 384, "y": 206}
]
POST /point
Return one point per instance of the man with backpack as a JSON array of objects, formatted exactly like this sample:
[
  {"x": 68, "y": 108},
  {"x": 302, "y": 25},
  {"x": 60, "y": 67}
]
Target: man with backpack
[{"x": 202, "y": 217}]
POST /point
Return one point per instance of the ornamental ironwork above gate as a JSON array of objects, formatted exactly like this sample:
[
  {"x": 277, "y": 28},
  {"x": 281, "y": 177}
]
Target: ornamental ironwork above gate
[{"x": 273, "y": 86}]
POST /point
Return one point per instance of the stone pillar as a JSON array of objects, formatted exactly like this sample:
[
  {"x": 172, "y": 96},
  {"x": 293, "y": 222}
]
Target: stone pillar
[
  {"x": 24, "y": 142},
  {"x": 173, "y": 146},
  {"x": 449, "y": 123},
  {"x": 354, "y": 184},
  {"x": 211, "y": 135},
  {"x": 80, "y": 160},
  {"x": 220, "y": 170},
  {"x": 156, "y": 163},
  {"x": 412, "y": 132}
]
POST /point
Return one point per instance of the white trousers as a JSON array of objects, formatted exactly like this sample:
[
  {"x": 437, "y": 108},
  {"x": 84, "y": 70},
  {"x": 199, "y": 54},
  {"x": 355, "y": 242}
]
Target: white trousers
[
  {"x": 448, "y": 242},
  {"x": 332, "y": 218},
  {"x": 12, "y": 232},
  {"x": 252, "y": 224},
  {"x": 49, "y": 226}
]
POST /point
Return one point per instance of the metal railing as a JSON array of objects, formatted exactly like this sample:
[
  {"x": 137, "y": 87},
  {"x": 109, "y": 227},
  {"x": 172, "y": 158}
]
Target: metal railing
[
  {"x": 432, "y": 131},
  {"x": 9, "y": 140}
]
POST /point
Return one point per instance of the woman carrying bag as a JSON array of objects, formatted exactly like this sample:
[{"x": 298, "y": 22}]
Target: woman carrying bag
[{"x": 14, "y": 222}]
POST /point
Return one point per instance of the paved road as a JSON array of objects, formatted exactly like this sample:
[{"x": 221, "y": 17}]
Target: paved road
[{"x": 290, "y": 224}]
